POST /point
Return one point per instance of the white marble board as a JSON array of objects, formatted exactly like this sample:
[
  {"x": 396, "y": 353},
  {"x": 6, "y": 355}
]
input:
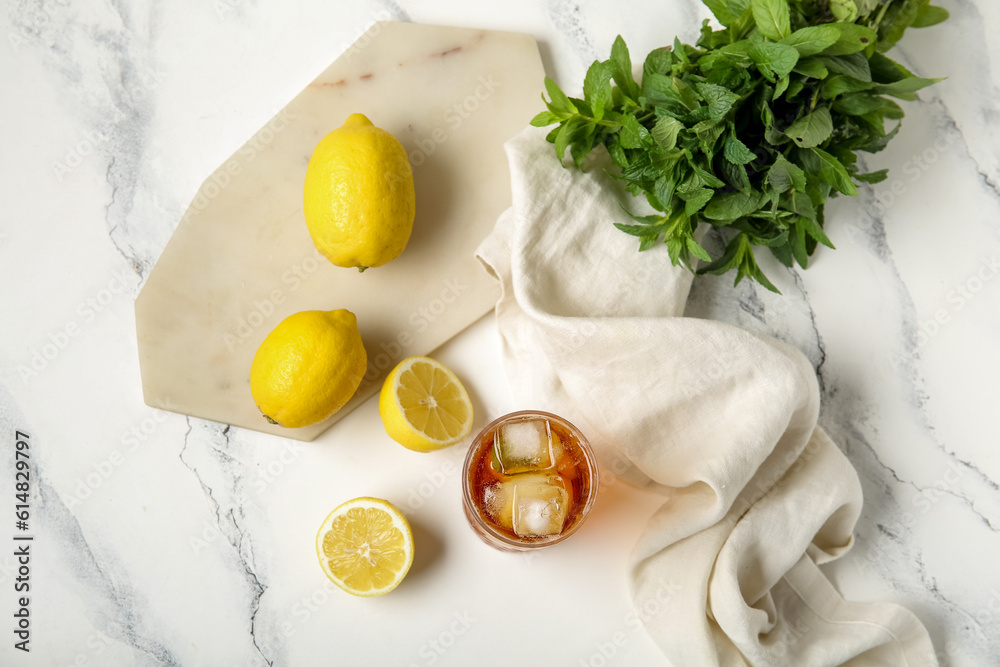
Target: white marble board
[{"x": 241, "y": 259}]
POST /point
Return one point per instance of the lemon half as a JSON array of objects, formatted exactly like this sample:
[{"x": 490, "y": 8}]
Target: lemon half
[
  {"x": 365, "y": 546},
  {"x": 424, "y": 406}
]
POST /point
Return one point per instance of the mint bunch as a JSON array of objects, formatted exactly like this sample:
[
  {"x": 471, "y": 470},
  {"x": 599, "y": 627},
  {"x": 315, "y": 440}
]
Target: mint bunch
[{"x": 753, "y": 128}]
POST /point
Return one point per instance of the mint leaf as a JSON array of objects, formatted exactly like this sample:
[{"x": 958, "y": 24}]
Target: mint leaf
[
  {"x": 663, "y": 188},
  {"x": 834, "y": 173},
  {"x": 597, "y": 88},
  {"x": 811, "y": 40},
  {"x": 708, "y": 132},
  {"x": 685, "y": 93},
  {"x": 644, "y": 219},
  {"x": 706, "y": 178},
  {"x": 813, "y": 229},
  {"x": 853, "y": 38},
  {"x": 744, "y": 22},
  {"x": 545, "y": 118},
  {"x": 854, "y": 65},
  {"x": 658, "y": 61},
  {"x": 802, "y": 205},
  {"x": 873, "y": 177},
  {"x": 897, "y": 18},
  {"x": 754, "y": 272},
  {"x": 559, "y": 100},
  {"x": 773, "y": 59},
  {"x": 772, "y": 134},
  {"x": 665, "y": 132},
  {"x": 736, "y": 151},
  {"x": 904, "y": 86},
  {"x": 797, "y": 245},
  {"x": 697, "y": 250},
  {"x": 696, "y": 200},
  {"x": 784, "y": 176},
  {"x": 844, "y": 10},
  {"x": 582, "y": 143},
  {"x": 647, "y": 242},
  {"x": 621, "y": 69},
  {"x": 781, "y": 87},
  {"x": 571, "y": 132},
  {"x": 732, "y": 205},
  {"x": 772, "y": 17},
  {"x": 886, "y": 70},
  {"x": 736, "y": 175},
  {"x": 777, "y": 240},
  {"x": 877, "y": 143},
  {"x": 632, "y": 133},
  {"x": 841, "y": 83},
  {"x": 563, "y": 135},
  {"x": 729, "y": 259},
  {"x": 680, "y": 51},
  {"x": 929, "y": 15},
  {"x": 811, "y": 67},
  {"x": 719, "y": 99},
  {"x": 720, "y": 8},
  {"x": 737, "y": 7},
  {"x": 858, "y": 104},
  {"x": 812, "y": 129},
  {"x": 639, "y": 230},
  {"x": 659, "y": 91},
  {"x": 739, "y": 255}
]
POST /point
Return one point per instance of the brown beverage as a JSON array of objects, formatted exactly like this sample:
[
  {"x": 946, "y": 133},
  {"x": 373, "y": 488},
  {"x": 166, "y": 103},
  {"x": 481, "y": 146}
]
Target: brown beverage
[{"x": 529, "y": 480}]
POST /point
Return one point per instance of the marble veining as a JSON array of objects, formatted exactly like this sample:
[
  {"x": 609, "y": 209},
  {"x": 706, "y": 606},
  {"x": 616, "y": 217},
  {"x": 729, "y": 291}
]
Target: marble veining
[
  {"x": 208, "y": 454},
  {"x": 108, "y": 74}
]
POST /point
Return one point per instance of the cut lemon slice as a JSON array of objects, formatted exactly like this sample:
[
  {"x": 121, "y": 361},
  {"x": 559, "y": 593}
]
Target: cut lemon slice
[
  {"x": 424, "y": 406},
  {"x": 365, "y": 546}
]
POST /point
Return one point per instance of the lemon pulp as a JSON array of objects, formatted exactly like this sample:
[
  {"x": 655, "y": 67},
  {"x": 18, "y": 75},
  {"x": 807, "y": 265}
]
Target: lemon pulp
[
  {"x": 365, "y": 546},
  {"x": 424, "y": 406}
]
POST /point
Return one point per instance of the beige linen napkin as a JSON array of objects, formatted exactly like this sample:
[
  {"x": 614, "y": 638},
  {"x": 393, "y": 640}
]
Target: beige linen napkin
[{"x": 722, "y": 420}]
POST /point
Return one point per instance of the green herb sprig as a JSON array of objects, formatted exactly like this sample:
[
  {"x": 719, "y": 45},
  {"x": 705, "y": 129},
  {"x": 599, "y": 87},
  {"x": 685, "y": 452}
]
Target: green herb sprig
[{"x": 752, "y": 129}]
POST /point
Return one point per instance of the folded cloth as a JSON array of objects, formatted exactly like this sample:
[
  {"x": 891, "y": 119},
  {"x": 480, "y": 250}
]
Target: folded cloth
[{"x": 721, "y": 420}]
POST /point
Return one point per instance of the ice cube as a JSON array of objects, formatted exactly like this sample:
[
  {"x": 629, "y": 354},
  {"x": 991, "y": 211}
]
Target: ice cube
[
  {"x": 563, "y": 460},
  {"x": 498, "y": 501},
  {"x": 522, "y": 446},
  {"x": 540, "y": 505}
]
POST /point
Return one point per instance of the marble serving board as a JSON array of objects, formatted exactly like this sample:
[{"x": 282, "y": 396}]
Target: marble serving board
[{"x": 241, "y": 258}]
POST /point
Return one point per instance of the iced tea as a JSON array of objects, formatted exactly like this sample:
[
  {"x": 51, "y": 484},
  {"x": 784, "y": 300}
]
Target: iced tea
[{"x": 529, "y": 480}]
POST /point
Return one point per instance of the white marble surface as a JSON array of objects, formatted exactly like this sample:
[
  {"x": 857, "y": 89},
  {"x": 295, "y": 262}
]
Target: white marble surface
[{"x": 163, "y": 540}]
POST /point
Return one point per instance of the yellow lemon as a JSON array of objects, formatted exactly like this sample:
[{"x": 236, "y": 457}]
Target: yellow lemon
[
  {"x": 308, "y": 367},
  {"x": 358, "y": 200},
  {"x": 365, "y": 546},
  {"x": 424, "y": 406}
]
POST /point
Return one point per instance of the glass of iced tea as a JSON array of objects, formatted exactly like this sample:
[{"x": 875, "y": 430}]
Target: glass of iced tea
[{"x": 529, "y": 480}]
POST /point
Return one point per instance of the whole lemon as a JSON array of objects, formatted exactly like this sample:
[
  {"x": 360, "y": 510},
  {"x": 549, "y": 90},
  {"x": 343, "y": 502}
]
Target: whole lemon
[
  {"x": 358, "y": 200},
  {"x": 308, "y": 367}
]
